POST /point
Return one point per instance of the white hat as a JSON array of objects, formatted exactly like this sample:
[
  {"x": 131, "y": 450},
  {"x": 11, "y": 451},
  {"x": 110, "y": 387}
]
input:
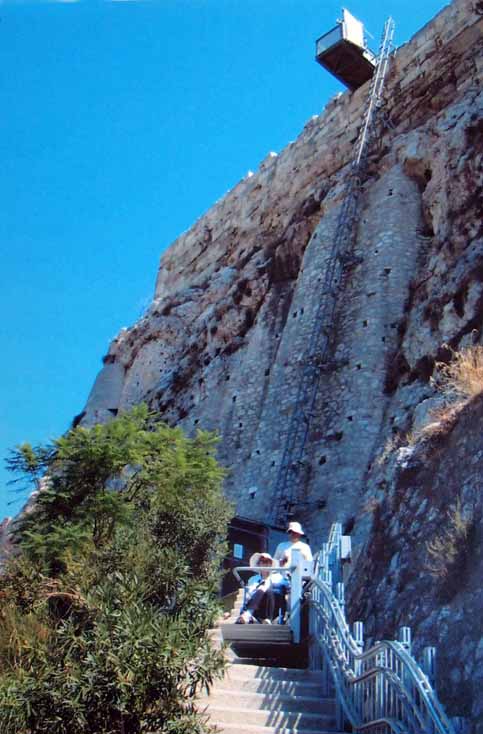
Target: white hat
[
  {"x": 255, "y": 559},
  {"x": 295, "y": 527}
]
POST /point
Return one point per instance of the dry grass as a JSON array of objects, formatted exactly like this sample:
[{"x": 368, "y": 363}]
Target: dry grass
[
  {"x": 448, "y": 551},
  {"x": 442, "y": 421},
  {"x": 370, "y": 506},
  {"x": 20, "y": 636},
  {"x": 463, "y": 378},
  {"x": 393, "y": 443},
  {"x": 398, "y": 440}
]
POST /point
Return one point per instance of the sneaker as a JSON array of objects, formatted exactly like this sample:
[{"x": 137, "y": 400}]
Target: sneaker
[
  {"x": 245, "y": 618},
  {"x": 266, "y": 621}
]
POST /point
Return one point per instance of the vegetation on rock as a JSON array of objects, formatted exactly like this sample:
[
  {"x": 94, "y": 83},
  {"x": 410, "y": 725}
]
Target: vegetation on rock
[
  {"x": 104, "y": 609},
  {"x": 448, "y": 552},
  {"x": 462, "y": 378}
]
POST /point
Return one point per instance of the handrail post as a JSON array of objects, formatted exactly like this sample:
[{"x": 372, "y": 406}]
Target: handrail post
[
  {"x": 460, "y": 724},
  {"x": 358, "y": 633},
  {"x": 381, "y": 662},
  {"x": 429, "y": 664},
  {"x": 405, "y": 637},
  {"x": 296, "y": 594},
  {"x": 340, "y": 595}
]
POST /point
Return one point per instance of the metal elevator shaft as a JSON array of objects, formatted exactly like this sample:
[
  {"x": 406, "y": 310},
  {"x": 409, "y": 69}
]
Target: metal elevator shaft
[{"x": 291, "y": 477}]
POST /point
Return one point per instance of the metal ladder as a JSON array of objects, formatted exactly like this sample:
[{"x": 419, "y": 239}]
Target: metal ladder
[{"x": 290, "y": 478}]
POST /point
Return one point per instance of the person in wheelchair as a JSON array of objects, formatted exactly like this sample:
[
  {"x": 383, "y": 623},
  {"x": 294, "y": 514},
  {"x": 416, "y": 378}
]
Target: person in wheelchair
[{"x": 265, "y": 600}]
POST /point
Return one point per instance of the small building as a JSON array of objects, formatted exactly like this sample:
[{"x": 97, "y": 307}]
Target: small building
[
  {"x": 245, "y": 537},
  {"x": 343, "y": 52}
]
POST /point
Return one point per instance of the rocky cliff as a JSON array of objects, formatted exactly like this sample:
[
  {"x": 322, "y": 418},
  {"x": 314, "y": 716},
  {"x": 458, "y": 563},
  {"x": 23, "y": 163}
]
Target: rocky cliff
[{"x": 221, "y": 345}]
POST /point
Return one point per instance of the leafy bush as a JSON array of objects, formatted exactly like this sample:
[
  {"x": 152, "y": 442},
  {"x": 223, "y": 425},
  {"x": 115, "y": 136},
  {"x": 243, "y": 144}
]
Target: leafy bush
[{"x": 105, "y": 610}]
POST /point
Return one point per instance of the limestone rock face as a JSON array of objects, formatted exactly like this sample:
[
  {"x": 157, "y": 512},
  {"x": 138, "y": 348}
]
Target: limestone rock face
[
  {"x": 5, "y": 539},
  {"x": 221, "y": 346},
  {"x": 431, "y": 499}
]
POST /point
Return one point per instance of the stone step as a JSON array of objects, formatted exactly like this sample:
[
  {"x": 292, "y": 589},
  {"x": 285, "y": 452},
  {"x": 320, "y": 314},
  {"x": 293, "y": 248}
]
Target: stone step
[
  {"x": 244, "y": 671},
  {"x": 224, "y": 714},
  {"x": 270, "y": 685},
  {"x": 275, "y": 702},
  {"x": 256, "y": 729},
  {"x": 256, "y": 633}
]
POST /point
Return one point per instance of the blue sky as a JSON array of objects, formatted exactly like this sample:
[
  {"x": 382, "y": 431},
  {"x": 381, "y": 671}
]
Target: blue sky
[{"x": 122, "y": 122}]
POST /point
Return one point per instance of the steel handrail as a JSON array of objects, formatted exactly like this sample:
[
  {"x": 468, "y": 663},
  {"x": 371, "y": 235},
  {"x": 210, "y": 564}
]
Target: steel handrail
[{"x": 358, "y": 673}]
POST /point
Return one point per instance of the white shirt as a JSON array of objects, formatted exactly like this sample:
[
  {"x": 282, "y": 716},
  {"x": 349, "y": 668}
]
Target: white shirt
[
  {"x": 258, "y": 582},
  {"x": 285, "y": 550}
]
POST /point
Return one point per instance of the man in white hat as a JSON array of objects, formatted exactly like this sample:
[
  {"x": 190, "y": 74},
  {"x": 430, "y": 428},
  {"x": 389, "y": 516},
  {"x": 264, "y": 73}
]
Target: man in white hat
[
  {"x": 265, "y": 592},
  {"x": 283, "y": 552}
]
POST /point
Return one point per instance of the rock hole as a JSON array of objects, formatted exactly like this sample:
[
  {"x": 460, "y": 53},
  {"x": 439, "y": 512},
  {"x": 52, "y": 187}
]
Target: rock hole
[
  {"x": 294, "y": 314},
  {"x": 322, "y": 460},
  {"x": 387, "y": 271},
  {"x": 459, "y": 300},
  {"x": 234, "y": 399},
  {"x": 389, "y": 193},
  {"x": 383, "y": 338},
  {"x": 364, "y": 323},
  {"x": 359, "y": 366},
  {"x": 348, "y": 526},
  {"x": 267, "y": 372},
  {"x": 227, "y": 378},
  {"x": 197, "y": 420},
  {"x": 350, "y": 418},
  {"x": 301, "y": 312}
]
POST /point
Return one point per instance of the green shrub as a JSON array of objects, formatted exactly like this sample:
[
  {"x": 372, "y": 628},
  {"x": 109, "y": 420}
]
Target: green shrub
[{"x": 106, "y": 609}]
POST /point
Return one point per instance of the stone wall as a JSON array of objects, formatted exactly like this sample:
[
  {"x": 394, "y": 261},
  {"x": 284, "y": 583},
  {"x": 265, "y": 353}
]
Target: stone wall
[{"x": 221, "y": 346}]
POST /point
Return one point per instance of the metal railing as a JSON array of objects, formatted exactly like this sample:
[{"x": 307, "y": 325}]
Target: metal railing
[{"x": 382, "y": 690}]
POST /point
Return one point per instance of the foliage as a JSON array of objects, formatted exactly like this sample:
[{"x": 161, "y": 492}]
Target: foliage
[
  {"x": 104, "y": 613},
  {"x": 463, "y": 377}
]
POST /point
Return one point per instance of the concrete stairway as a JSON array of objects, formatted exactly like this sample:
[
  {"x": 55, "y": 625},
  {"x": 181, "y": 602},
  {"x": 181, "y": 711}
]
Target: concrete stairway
[
  {"x": 254, "y": 699},
  {"x": 248, "y": 633}
]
